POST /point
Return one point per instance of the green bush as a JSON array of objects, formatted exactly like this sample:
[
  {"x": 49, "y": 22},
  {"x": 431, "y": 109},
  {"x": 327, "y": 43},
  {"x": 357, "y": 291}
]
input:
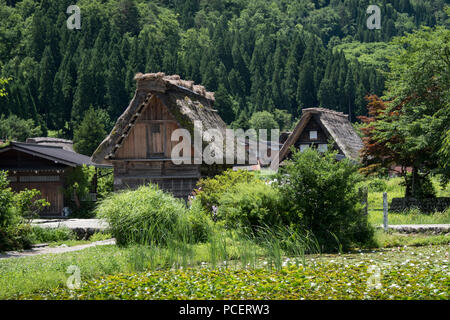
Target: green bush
[
  {"x": 377, "y": 185},
  {"x": 200, "y": 222},
  {"x": 44, "y": 235},
  {"x": 147, "y": 216},
  {"x": 79, "y": 183},
  {"x": 100, "y": 236},
  {"x": 251, "y": 205},
  {"x": 210, "y": 190},
  {"x": 423, "y": 188},
  {"x": 15, "y": 231},
  {"x": 323, "y": 199}
]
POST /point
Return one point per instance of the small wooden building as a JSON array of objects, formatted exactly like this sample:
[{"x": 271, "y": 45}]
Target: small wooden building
[
  {"x": 41, "y": 167},
  {"x": 140, "y": 147},
  {"x": 317, "y": 127}
]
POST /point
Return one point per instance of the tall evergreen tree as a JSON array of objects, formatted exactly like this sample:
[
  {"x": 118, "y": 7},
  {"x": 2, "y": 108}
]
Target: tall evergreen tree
[{"x": 89, "y": 134}]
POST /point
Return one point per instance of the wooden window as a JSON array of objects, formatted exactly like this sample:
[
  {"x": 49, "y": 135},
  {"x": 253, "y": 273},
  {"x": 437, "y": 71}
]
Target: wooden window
[
  {"x": 155, "y": 128},
  {"x": 322, "y": 147},
  {"x": 303, "y": 147},
  {"x": 313, "y": 135}
]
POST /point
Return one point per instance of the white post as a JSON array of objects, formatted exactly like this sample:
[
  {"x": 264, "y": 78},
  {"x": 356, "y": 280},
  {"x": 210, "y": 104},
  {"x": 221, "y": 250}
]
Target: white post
[{"x": 385, "y": 211}]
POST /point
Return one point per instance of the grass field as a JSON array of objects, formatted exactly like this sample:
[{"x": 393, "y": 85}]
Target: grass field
[
  {"x": 394, "y": 189},
  {"x": 411, "y": 217}
]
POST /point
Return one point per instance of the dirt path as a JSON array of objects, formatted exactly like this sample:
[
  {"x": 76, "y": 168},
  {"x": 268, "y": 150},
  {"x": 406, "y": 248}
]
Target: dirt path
[{"x": 47, "y": 250}]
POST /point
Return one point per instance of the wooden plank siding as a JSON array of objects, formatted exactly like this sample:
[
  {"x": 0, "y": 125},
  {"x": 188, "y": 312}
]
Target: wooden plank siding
[
  {"x": 150, "y": 136},
  {"x": 312, "y": 125},
  {"x": 145, "y": 155},
  {"x": 51, "y": 191}
]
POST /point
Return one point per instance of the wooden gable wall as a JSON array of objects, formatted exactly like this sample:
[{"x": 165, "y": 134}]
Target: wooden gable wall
[
  {"x": 150, "y": 136},
  {"x": 145, "y": 155},
  {"x": 312, "y": 125}
]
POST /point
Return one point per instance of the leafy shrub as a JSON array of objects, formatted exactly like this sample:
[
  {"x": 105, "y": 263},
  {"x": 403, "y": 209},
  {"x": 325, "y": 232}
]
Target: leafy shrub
[
  {"x": 146, "y": 216},
  {"x": 251, "y": 205},
  {"x": 323, "y": 199},
  {"x": 15, "y": 232},
  {"x": 44, "y": 235},
  {"x": 210, "y": 190},
  {"x": 377, "y": 185},
  {"x": 7, "y": 216},
  {"x": 79, "y": 185},
  {"x": 100, "y": 236},
  {"x": 423, "y": 188},
  {"x": 200, "y": 222},
  {"x": 105, "y": 183},
  {"x": 28, "y": 204}
]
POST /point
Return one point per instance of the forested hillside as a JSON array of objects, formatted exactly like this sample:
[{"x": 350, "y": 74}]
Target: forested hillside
[{"x": 255, "y": 54}]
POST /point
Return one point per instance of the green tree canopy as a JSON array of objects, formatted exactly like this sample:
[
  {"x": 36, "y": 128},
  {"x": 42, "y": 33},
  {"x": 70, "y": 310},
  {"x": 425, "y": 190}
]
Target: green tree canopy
[
  {"x": 263, "y": 120},
  {"x": 415, "y": 123},
  {"x": 17, "y": 129},
  {"x": 90, "y": 133}
]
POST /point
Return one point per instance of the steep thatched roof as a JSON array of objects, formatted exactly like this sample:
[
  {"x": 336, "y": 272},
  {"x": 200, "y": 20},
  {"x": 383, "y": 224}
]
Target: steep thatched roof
[
  {"x": 336, "y": 125},
  {"x": 185, "y": 101}
]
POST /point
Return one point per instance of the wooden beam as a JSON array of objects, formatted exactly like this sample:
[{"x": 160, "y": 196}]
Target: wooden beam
[{"x": 155, "y": 121}]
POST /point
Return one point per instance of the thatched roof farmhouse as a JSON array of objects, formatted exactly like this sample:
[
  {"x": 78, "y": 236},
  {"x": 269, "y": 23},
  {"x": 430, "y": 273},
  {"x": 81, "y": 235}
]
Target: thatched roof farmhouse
[
  {"x": 139, "y": 146},
  {"x": 317, "y": 126}
]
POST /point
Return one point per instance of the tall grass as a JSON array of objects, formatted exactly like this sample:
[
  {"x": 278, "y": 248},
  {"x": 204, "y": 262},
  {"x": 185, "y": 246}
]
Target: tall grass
[
  {"x": 159, "y": 229},
  {"x": 44, "y": 235},
  {"x": 146, "y": 216}
]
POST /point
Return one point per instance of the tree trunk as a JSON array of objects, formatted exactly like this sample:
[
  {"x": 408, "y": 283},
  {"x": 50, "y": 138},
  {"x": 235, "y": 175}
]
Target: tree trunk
[
  {"x": 77, "y": 201},
  {"x": 414, "y": 182}
]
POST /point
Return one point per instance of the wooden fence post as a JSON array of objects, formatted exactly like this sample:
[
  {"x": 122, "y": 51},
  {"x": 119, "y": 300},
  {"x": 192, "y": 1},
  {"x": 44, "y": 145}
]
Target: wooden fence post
[{"x": 385, "y": 211}]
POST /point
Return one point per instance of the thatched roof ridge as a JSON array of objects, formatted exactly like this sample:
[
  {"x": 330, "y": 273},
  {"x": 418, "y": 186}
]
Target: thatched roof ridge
[
  {"x": 161, "y": 81},
  {"x": 336, "y": 125},
  {"x": 50, "y": 141},
  {"x": 186, "y": 101}
]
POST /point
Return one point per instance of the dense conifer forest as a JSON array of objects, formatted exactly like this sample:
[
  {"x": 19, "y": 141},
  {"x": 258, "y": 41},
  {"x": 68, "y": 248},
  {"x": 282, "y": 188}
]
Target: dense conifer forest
[{"x": 256, "y": 55}]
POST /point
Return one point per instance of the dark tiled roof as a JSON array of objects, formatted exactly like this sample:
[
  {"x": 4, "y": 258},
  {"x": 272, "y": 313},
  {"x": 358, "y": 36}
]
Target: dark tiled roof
[{"x": 55, "y": 153}]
